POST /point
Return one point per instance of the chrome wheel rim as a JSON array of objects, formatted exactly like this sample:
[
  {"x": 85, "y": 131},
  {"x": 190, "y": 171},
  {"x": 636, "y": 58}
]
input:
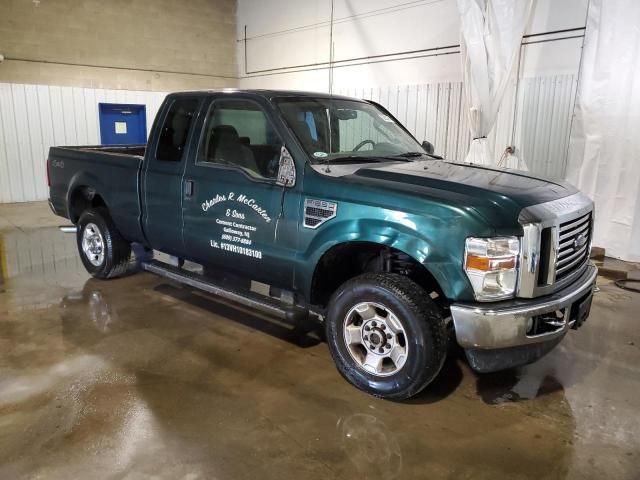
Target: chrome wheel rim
[
  {"x": 93, "y": 244},
  {"x": 375, "y": 339}
]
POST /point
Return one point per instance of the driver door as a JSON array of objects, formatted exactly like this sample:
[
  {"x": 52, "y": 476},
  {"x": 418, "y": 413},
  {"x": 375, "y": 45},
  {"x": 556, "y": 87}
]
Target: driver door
[{"x": 235, "y": 215}]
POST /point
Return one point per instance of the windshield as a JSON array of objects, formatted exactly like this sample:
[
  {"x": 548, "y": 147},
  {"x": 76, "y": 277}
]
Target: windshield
[{"x": 332, "y": 129}]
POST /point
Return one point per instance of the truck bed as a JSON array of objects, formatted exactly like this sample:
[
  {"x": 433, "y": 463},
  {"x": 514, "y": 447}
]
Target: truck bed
[{"x": 111, "y": 170}]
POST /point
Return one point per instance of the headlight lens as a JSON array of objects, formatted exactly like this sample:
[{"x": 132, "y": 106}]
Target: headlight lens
[{"x": 492, "y": 266}]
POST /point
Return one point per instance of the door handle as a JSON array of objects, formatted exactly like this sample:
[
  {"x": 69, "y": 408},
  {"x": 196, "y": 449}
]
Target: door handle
[{"x": 188, "y": 188}]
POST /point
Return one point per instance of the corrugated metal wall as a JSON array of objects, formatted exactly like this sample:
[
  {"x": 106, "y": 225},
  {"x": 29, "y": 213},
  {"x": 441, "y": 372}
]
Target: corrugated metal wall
[
  {"x": 545, "y": 108},
  {"x": 436, "y": 112},
  {"x": 35, "y": 117}
]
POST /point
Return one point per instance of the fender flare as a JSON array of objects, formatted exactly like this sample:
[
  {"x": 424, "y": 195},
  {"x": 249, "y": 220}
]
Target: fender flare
[
  {"x": 379, "y": 232},
  {"x": 83, "y": 179}
]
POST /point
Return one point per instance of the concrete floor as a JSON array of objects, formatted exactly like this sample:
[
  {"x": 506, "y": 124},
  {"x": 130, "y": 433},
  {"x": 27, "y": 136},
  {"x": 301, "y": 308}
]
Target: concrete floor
[{"x": 138, "y": 378}]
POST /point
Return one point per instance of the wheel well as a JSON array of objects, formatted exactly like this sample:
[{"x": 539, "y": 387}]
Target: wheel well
[
  {"x": 347, "y": 260},
  {"x": 81, "y": 199}
]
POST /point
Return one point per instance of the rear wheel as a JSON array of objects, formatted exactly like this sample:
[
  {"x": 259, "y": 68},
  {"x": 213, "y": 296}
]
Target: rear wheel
[
  {"x": 386, "y": 335},
  {"x": 103, "y": 251}
]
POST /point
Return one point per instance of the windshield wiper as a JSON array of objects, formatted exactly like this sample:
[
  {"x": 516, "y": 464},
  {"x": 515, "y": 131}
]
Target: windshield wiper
[
  {"x": 411, "y": 154},
  {"x": 418, "y": 154},
  {"x": 358, "y": 158}
]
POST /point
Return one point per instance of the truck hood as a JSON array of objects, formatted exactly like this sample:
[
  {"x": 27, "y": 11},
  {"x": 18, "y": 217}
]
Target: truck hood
[
  {"x": 497, "y": 194},
  {"x": 521, "y": 187}
]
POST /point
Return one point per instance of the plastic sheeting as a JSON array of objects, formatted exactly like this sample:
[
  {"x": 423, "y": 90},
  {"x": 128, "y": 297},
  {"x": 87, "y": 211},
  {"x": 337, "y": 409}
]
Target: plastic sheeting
[
  {"x": 491, "y": 36},
  {"x": 604, "y": 152}
]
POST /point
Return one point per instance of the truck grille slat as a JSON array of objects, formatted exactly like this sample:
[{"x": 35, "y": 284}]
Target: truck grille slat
[
  {"x": 573, "y": 223},
  {"x": 566, "y": 234},
  {"x": 566, "y": 268},
  {"x": 566, "y": 242},
  {"x": 574, "y": 238},
  {"x": 568, "y": 256}
]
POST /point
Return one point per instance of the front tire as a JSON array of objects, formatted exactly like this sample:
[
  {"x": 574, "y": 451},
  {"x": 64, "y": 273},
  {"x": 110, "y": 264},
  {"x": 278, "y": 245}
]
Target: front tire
[
  {"x": 103, "y": 251},
  {"x": 386, "y": 335}
]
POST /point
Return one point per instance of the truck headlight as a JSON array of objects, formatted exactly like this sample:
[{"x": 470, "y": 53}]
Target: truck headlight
[{"x": 492, "y": 266}]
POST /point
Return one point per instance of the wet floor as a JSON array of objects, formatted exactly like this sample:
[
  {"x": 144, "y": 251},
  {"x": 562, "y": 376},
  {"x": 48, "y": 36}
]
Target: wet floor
[{"x": 139, "y": 378}]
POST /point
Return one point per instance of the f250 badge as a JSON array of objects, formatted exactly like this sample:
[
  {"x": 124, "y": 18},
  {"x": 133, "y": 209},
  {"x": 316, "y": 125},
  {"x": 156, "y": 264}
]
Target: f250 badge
[{"x": 57, "y": 163}]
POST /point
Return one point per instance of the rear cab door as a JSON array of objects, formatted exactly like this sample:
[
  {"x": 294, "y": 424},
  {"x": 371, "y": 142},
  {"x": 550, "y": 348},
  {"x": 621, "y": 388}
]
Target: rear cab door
[
  {"x": 236, "y": 218},
  {"x": 162, "y": 175}
]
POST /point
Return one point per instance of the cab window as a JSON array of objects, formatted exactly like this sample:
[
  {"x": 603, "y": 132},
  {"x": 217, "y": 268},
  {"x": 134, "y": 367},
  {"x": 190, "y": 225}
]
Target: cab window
[
  {"x": 175, "y": 129},
  {"x": 238, "y": 133}
]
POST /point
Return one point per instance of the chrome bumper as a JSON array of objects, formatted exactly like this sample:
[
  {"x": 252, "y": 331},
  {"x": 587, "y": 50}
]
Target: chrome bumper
[{"x": 504, "y": 324}]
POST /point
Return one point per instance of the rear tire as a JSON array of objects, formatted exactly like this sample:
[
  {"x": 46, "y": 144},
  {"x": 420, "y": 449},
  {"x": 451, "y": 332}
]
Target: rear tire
[
  {"x": 103, "y": 251},
  {"x": 386, "y": 335}
]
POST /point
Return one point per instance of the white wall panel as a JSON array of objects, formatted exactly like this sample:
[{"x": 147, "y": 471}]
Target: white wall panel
[
  {"x": 36, "y": 117},
  {"x": 366, "y": 32},
  {"x": 542, "y": 110},
  {"x": 545, "y": 107}
]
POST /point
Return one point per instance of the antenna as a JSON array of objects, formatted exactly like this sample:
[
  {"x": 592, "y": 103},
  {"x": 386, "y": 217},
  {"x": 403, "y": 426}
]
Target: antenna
[{"x": 331, "y": 51}]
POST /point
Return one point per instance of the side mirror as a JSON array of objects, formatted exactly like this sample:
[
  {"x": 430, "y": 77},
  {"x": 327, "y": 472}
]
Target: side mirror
[
  {"x": 428, "y": 147},
  {"x": 286, "y": 169}
]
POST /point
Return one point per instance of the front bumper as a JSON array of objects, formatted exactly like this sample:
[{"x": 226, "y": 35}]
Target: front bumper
[{"x": 504, "y": 324}]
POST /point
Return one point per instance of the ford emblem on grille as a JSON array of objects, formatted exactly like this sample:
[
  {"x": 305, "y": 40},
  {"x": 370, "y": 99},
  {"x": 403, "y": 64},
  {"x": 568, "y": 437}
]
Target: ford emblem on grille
[{"x": 579, "y": 241}]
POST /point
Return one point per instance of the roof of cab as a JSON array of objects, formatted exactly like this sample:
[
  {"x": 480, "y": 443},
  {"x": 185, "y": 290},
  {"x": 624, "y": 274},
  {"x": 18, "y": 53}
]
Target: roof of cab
[{"x": 268, "y": 94}]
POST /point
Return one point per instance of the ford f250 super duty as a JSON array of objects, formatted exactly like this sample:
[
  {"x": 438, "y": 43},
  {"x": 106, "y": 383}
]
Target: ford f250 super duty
[{"x": 335, "y": 210}]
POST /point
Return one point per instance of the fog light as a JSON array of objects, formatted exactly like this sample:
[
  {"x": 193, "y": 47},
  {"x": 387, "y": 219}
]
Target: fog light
[{"x": 529, "y": 325}]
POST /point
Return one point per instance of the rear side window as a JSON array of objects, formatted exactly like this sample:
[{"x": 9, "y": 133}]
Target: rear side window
[{"x": 175, "y": 130}]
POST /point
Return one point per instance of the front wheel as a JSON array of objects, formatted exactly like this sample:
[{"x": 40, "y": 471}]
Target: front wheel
[
  {"x": 103, "y": 251},
  {"x": 386, "y": 335}
]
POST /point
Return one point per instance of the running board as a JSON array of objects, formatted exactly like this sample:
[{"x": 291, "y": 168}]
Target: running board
[{"x": 248, "y": 299}]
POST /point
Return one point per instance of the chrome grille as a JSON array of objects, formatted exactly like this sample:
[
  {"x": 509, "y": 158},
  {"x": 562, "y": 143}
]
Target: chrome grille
[
  {"x": 574, "y": 238},
  {"x": 555, "y": 244}
]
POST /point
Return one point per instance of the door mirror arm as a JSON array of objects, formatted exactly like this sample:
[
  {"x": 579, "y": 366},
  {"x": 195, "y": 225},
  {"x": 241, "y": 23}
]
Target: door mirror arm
[{"x": 286, "y": 169}]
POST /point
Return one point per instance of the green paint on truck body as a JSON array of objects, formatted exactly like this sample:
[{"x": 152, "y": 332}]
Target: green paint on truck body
[{"x": 425, "y": 208}]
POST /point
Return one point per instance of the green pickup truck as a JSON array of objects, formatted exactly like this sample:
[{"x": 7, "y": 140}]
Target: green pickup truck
[{"x": 308, "y": 205}]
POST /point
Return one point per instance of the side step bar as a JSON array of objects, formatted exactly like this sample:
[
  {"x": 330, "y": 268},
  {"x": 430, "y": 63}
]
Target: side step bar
[
  {"x": 68, "y": 228},
  {"x": 249, "y": 299}
]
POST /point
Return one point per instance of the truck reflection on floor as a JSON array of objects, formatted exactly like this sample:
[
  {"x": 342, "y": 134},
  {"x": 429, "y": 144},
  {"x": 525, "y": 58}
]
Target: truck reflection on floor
[
  {"x": 99, "y": 300},
  {"x": 95, "y": 297},
  {"x": 100, "y": 311},
  {"x": 515, "y": 386}
]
